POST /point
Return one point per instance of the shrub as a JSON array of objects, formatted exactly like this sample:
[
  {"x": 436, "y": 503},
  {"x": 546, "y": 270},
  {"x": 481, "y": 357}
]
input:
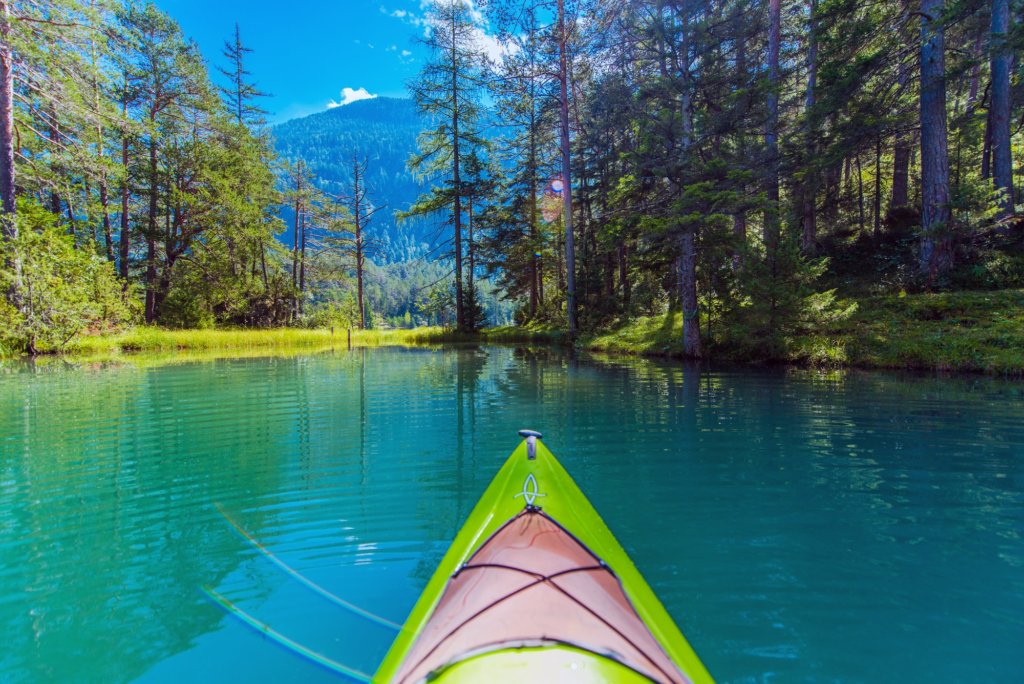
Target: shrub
[{"x": 63, "y": 290}]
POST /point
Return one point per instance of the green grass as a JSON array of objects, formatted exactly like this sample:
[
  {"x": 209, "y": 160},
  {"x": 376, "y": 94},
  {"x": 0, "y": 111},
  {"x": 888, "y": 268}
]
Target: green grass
[
  {"x": 647, "y": 335},
  {"x": 957, "y": 331},
  {"x": 153, "y": 339}
]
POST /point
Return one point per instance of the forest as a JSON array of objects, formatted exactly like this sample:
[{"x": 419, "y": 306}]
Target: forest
[{"x": 757, "y": 167}]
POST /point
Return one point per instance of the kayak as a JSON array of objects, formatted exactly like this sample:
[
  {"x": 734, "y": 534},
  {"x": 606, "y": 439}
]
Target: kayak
[{"x": 536, "y": 588}]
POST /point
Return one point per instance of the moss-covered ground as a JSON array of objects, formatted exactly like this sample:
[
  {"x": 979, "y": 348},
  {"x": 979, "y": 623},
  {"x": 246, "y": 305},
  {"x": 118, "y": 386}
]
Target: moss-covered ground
[{"x": 955, "y": 331}]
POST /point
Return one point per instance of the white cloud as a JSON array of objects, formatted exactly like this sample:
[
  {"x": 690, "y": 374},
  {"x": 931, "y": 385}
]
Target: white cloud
[
  {"x": 486, "y": 42},
  {"x": 350, "y": 95},
  {"x": 404, "y": 15},
  {"x": 491, "y": 46}
]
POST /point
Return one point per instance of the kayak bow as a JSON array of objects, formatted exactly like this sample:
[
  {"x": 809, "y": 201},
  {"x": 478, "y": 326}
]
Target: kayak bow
[{"x": 536, "y": 588}]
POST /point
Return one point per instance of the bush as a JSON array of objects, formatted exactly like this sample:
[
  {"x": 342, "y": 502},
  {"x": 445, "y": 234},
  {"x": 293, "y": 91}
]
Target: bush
[
  {"x": 334, "y": 313},
  {"x": 776, "y": 306},
  {"x": 991, "y": 270},
  {"x": 63, "y": 290}
]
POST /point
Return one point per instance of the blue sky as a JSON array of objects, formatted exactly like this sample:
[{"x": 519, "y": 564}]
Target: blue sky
[{"x": 308, "y": 51}]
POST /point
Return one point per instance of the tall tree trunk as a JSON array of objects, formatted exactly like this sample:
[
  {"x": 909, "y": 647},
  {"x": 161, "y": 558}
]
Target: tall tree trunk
[
  {"x": 53, "y": 131},
  {"x": 124, "y": 245},
  {"x": 1001, "y": 56},
  {"x": 986, "y": 147},
  {"x": 10, "y": 229},
  {"x": 104, "y": 192},
  {"x": 263, "y": 265},
  {"x": 877, "y": 208},
  {"x": 900, "y": 171},
  {"x": 108, "y": 237},
  {"x": 936, "y": 254},
  {"x": 739, "y": 232},
  {"x": 808, "y": 217},
  {"x": 297, "y": 237},
  {"x": 540, "y": 281},
  {"x": 972, "y": 98},
  {"x": 469, "y": 249},
  {"x": 358, "y": 214},
  {"x": 833, "y": 183},
  {"x": 681, "y": 59},
  {"x": 8, "y": 223},
  {"x": 151, "y": 231},
  {"x": 534, "y": 247},
  {"x": 609, "y": 275},
  {"x": 460, "y": 309},
  {"x": 570, "y": 251},
  {"x": 688, "y": 292},
  {"x": 739, "y": 218},
  {"x": 624, "y": 275},
  {"x": 860, "y": 193},
  {"x": 901, "y": 147},
  {"x": 302, "y": 267},
  {"x": 688, "y": 238},
  {"x": 239, "y": 94},
  {"x": 771, "y": 219}
]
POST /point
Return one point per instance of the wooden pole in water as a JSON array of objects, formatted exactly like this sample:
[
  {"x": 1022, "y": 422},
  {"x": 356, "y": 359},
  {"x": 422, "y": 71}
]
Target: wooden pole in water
[{"x": 350, "y": 339}]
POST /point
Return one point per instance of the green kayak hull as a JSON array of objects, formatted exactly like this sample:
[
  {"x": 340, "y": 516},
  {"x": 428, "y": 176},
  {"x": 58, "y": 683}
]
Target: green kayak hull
[{"x": 526, "y": 483}]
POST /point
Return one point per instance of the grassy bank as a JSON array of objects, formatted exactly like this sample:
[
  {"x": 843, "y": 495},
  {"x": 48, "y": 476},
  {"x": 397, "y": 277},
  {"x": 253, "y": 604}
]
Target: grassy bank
[
  {"x": 151, "y": 339},
  {"x": 957, "y": 331}
]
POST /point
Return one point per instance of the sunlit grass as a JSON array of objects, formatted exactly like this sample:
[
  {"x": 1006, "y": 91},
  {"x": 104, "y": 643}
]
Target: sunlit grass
[
  {"x": 648, "y": 335},
  {"x": 152, "y": 339}
]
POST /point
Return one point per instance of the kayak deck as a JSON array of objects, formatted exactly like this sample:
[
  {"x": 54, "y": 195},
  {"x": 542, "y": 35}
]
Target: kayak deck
[
  {"x": 538, "y": 590},
  {"x": 533, "y": 584}
]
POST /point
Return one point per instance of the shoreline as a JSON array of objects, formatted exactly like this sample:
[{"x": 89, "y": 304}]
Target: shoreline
[{"x": 960, "y": 332}]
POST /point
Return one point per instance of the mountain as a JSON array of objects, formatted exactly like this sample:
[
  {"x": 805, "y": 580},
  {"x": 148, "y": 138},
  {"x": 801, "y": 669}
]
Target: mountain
[{"x": 384, "y": 131}]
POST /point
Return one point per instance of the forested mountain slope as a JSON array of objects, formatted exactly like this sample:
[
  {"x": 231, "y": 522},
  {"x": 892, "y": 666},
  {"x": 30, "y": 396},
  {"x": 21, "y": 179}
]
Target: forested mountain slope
[{"x": 383, "y": 130}]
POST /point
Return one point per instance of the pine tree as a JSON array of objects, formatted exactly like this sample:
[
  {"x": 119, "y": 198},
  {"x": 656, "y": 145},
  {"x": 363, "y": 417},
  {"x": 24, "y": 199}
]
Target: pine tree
[
  {"x": 936, "y": 256},
  {"x": 999, "y": 117},
  {"x": 448, "y": 93},
  {"x": 514, "y": 242}
]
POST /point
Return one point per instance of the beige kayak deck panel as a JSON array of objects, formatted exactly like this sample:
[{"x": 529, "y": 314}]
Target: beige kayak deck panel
[{"x": 534, "y": 584}]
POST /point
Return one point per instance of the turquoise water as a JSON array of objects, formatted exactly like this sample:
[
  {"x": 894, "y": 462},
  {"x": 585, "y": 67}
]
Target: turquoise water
[{"x": 800, "y": 527}]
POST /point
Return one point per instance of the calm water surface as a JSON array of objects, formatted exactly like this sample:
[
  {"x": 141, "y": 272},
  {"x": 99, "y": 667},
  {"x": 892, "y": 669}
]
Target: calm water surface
[{"x": 800, "y": 527}]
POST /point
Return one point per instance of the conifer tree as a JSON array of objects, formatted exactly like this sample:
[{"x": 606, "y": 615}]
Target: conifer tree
[{"x": 448, "y": 92}]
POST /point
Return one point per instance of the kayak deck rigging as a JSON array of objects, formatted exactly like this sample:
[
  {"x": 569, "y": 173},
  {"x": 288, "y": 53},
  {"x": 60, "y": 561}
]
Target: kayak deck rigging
[{"x": 532, "y": 584}]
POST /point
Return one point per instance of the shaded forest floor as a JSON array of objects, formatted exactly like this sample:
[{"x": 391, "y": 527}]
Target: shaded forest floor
[{"x": 952, "y": 331}]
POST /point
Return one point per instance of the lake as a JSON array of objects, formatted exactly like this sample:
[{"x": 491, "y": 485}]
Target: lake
[{"x": 799, "y": 526}]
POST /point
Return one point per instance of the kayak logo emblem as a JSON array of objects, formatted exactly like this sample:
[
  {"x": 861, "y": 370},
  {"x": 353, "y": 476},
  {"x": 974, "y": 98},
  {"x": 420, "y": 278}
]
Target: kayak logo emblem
[{"x": 530, "y": 490}]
